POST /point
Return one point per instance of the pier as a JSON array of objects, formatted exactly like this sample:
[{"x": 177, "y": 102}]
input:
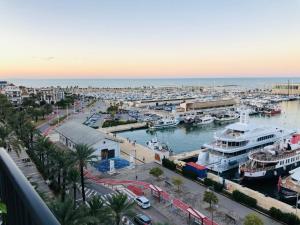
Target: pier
[
  {"x": 186, "y": 155},
  {"x": 124, "y": 127}
]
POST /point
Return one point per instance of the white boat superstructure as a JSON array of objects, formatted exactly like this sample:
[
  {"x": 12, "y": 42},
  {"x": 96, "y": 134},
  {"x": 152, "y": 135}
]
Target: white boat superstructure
[
  {"x": 232, "y": 145},
  {"x": 164, "y": 123},
  {"x": 273, "y": 160},
  {"x": 226, "y": 117},
  {"x": 204, "y": 120},
  {"x": 154, "y": 144}
]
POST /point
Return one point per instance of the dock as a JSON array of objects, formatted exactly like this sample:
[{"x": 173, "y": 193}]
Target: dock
[
  {"x": 124, "y": 127},
  {"x": 185, "y": 155}
]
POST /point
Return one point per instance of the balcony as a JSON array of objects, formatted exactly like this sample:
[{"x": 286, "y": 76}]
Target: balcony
[{"x": 24, "y": 205}]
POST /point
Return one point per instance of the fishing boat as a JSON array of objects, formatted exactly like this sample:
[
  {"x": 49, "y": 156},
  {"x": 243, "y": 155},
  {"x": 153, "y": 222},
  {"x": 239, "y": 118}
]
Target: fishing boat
[
  {"x": 154, "y": 144},
  {"x": 272, "y": 110},
  {"x": 231, "y": 146},
  {"x": 164, "y": 123},
  {"x": 273, "y": 160},
  {"x": 204, "y": 120}
]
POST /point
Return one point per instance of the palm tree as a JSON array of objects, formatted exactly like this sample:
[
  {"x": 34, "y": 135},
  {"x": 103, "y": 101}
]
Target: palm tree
[
  {"x": 68, "y": 162},
  {"x": 67, "y": 215},
  {"x": 83, "y": 155},
  {"x": 98, "y": 209},
  {"x": 74, "y": 178},
  {"x": 120, "y": 206}
]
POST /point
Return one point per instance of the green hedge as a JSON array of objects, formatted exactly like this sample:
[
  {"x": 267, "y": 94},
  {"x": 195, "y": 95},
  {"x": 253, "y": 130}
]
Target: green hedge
[
  {"x": 113, "y": 123},
  {"x": 168, "y": 164},
  {"x": 242, "y": 198},
  {"x": 288, "y": 218},
  {"x": 211, "y": 183}
]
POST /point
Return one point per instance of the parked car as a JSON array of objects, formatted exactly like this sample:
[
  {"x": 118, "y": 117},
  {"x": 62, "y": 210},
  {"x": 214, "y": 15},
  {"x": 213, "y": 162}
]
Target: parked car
[
  {"x": 142, "y": 219},
  {"x": 143, "y": 202}
]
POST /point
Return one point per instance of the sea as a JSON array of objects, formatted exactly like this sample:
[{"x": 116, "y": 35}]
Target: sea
[{"x": 246, "y": 82}]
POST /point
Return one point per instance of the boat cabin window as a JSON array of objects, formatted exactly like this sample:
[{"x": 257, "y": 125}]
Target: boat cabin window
[
  {"x": 281, "y": 162},
  {"x": 265, "y": 137}
]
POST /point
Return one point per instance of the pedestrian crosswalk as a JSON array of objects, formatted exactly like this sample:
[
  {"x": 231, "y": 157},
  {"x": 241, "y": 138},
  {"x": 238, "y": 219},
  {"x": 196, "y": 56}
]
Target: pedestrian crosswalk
[{"x": 90, "y": 193}]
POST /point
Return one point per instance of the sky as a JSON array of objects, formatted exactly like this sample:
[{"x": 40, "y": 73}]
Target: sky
[{"x": 149, "y": 38}]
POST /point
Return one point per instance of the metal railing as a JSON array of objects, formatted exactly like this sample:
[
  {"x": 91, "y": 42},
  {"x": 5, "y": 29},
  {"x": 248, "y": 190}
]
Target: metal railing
[{"x": 24, "y": 205}]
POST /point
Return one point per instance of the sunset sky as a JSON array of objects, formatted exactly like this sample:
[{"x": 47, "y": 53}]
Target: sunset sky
[{"x": 149, "y": 38}]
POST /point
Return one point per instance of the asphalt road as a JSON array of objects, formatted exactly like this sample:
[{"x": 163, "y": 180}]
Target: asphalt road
[{"x": 152, "y": 212}]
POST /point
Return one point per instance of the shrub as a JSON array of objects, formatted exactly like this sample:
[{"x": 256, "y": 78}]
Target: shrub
[
  {"x": 113, "y": 123},
  {"x": 156, "y": 172},
  {"x": 288, "y": 218},
  {"x": 168, "y": 164},
  {"x": 242, "y": 198},
  {"x": 211, "y": 183}
]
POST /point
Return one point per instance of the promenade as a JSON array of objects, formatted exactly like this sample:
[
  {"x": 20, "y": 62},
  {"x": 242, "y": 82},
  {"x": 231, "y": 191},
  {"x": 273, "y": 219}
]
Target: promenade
[{"x": 192, "y": 194}]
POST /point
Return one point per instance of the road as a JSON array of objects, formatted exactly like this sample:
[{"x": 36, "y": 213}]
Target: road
[
  {"x": 152, "y": 212},
  {"x": 192, "y": 193}
]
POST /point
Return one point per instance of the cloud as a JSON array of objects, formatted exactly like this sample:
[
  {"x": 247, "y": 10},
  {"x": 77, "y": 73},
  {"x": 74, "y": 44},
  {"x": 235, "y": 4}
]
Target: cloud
[{"x": 47, "y": 58}]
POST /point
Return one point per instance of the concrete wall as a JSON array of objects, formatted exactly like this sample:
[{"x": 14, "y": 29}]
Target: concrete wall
[{"x": 262, "y": 200}]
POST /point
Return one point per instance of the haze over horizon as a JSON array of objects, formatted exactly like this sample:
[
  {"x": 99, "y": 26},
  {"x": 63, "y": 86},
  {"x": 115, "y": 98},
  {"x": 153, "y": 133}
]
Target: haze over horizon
[{"x": 149, "y": 39}]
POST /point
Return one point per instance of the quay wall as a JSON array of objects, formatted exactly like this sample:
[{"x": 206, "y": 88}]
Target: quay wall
[
  {"x": 262, "y": 200},
  {"x": 123, "y": 127}
]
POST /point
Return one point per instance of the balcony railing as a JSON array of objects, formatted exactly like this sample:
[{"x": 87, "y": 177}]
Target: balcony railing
[{"x": 24, "y": 205}]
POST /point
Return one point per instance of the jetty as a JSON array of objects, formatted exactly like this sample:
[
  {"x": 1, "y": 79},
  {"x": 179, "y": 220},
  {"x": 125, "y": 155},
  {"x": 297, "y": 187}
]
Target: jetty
[{"x": 119, "y": 128}]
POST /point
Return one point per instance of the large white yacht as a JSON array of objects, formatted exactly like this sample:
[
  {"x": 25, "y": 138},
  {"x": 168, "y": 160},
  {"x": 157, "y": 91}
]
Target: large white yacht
[{"x": 231, "y": 146}]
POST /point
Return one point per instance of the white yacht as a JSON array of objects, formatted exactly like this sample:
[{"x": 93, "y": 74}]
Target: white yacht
[
  {"x": 231, "y": 146},
  {"x": 164, "y": 123},
  {"x": 154, "y": 144},
  {"x": 226, "y": 118},
  {"x": 207, "y": 119}
]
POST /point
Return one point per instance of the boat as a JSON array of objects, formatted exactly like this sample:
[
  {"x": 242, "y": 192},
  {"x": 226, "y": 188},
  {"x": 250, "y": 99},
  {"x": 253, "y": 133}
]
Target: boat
[
  {"x": 231, "y": 146},
  {"x": 289, "y": 187},
  {"x": 226, "y": 118},
  {"x": 274, "y": 160},
  {"x": 164, "y": 123},
  {"x": 272, "y": 110},
  {"x": 155, "y": 145},
  {"x": 189, "y": 119},
  {"x": 204, "y": 120}
]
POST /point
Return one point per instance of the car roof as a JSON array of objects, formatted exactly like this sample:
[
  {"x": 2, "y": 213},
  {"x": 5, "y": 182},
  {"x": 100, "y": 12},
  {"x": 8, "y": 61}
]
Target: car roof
[
  {"x": 143, "y": 199},
  {"x": 144, "y": 217}
]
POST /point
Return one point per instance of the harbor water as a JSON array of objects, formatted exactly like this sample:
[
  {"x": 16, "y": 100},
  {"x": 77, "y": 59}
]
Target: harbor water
[{"x": 187, "y": 138}]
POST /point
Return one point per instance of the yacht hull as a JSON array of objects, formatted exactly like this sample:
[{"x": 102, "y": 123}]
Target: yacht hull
[{"x": 269, "y": 174}]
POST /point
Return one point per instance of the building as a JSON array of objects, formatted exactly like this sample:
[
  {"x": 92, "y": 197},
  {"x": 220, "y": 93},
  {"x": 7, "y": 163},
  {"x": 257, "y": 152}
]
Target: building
[
  {"x": 207, "y": 104},
  {"x": 51, "y": 95},
  {"x": 73, "y": 133},
  {"x": 3, "y": 84},
  {"x": 286, "y": 89},
  {"x": 13, "y": 93}
]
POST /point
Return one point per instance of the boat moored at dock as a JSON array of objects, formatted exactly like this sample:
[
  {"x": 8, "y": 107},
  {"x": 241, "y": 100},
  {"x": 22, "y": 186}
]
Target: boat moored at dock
[
  {"x": 164, "y": 123},
  {"x": 232, "y": 145},
  {"x": 274, "y": 160}
]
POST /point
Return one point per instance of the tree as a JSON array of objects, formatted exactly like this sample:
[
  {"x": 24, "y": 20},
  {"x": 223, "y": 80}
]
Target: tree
[
  {"x": 177, "y": 181},
  {"x": 83, "y": 155},
  {"x": 156, "y": 172},
  {"x": 120, "y": 206},
  {"x": 98, "y": 210},
  {"x": 210, "y": 198},
  {"x": 73, "y": 178},
  {"x": 253, "y": 219},
  {"x": 67, "y": 215}
]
